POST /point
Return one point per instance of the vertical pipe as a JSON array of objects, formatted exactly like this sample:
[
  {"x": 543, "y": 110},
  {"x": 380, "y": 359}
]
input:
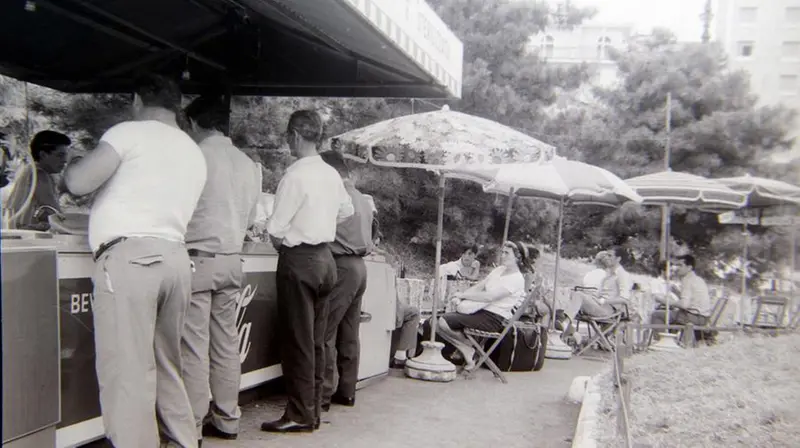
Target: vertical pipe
[
  {"x": 436, "y": 278},
  {"x": 558, "y": 258},
  {"x": 667, "y": 149},
  {"x": 667, "y": 275},
  {"x": 509, "y": 207}
]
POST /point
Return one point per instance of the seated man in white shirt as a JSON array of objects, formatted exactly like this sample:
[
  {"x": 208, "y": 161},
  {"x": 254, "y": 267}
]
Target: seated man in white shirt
[
  {"x": 613, "y": 294},
  {"x": 148, "y": 175},
  {"x": 693, "y": 304}
]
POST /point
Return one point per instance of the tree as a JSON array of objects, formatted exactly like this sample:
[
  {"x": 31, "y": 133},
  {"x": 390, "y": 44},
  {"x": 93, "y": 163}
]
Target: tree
[{"x": 717, "y": 130}]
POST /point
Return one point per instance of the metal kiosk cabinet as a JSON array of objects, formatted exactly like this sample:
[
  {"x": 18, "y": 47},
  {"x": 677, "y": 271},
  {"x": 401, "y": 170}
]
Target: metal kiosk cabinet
[{"x": 31, "y": 353}]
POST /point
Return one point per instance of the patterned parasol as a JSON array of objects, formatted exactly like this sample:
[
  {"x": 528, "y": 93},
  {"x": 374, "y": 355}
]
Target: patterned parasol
[{"x": 438, "y": 140}]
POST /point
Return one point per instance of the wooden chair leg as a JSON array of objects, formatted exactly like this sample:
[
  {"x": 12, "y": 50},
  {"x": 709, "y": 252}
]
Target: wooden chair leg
[{"x": 484, "y": 358}]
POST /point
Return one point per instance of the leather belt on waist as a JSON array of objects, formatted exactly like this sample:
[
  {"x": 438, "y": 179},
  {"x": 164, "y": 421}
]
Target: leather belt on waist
[
  {"x": 201, "y": 253},
  {"x": 108, "y": 245},
  {"x": 361, "y": 255}
]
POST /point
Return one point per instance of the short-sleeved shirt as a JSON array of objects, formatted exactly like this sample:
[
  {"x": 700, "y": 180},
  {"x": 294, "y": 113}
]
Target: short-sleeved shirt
[
  {"x": 513, "y": 287},
  {"x": 228, "y": 203},
  {"x": 594, "y": 278},
  {"x": 310, "y": 201},
  {"x": 458, "y": 270},
  {"x": 354, "y": 234},
  {"x": 694, "y": 294},
  {"x": 154, "y": 191}
]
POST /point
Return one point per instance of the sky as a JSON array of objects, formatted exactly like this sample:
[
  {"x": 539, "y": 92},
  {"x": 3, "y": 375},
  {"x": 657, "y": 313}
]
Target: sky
[{"x": 681, "y": 16}]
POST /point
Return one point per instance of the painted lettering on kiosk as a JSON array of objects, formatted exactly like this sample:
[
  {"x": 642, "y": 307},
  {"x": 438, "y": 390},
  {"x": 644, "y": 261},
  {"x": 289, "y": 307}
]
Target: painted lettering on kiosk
[
  {"x": 80, "y": 303},
  {"x": 243, "y": 299}
]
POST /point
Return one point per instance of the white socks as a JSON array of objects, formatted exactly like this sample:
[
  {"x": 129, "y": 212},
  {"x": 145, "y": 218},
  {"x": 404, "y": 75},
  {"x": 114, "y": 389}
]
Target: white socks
[{"x": 400, "y": 355}]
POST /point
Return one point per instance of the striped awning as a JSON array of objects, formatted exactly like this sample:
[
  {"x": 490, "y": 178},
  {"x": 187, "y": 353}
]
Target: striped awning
[{"x": 675, "y": 188}]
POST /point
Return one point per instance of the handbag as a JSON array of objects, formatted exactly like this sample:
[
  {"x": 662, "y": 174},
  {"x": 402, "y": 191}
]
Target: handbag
[
  {"x": 522, "y": 349},
  {"x": 467, "y": 306}
]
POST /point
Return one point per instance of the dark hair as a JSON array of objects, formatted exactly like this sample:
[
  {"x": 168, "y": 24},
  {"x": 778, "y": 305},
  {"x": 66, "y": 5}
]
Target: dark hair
[
  {"x": 210, "y": 112},
  {"x": 308, "y": 124},
  {"x": 336, "y": 160},
  {"x": 471, "y": 248},
  {"x": 159, "y": 91},
  {"x": 46, "y": 141},
  {"x": 526, "y": 255},
  {"x": 660, "y": 267},
  {"x": 688, "y": 260},
  {"x": 620, "y": 252}
]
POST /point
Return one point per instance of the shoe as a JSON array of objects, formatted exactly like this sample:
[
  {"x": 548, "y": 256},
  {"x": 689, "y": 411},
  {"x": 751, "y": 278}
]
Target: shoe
[
  {"x": 397, "y": 363},
  {"x": 342, "y": 400},
  {"x": 286, "y": 426},
  {"x": 210, "y": 430},
  {"x": 326, "y": 407},
  {"x": 200, "y": 443},
  {"x": 318, "y": 423}
]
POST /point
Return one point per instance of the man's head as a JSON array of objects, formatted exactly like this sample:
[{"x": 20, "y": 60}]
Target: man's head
[
  {"x": 304, "y": 132},
  {"x": 469, "y": 254},
  {"x": 684, "y": 264},
  {"x": 617, "y": 255},
  {"x": 49, "y": 150},
  {"x": 156, "y": 91},
  {"x": 335, "y": 159},
  {"x": 209, "y": 113},
  {"x": 603, "y": 259}
]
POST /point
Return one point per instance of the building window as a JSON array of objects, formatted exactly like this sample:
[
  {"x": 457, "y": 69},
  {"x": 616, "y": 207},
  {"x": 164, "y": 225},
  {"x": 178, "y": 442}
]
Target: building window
[
  {"x": 748, "y": 15},
  {"x": 603, "y": 44},
  {"x": 746, "y": 49},
  {"x": 547, "y": 46},
  {"x": 790, "y": 50},
  {"x": 788, "y": 84},
  {"x": 793, "y": 15}
]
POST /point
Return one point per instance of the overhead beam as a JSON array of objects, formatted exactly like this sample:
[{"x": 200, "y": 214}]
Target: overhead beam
[{"x": 148, "y": 34}]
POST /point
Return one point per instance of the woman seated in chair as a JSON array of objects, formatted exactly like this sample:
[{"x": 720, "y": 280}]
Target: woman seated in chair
[{"x": 490, "y": 303}]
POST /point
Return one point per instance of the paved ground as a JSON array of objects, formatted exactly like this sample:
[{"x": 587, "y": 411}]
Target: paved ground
[{"x": 528, "y": 412}]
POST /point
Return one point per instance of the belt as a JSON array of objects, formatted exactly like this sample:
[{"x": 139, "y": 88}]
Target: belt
[
  {"x": 201, "y": 253},
  {"x": 360, "y": 255},
  {"x": 108, "y": 245}
]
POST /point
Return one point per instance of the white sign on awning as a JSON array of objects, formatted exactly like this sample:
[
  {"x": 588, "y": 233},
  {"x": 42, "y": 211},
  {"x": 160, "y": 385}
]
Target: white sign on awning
[{"x": 419, "y": 32}]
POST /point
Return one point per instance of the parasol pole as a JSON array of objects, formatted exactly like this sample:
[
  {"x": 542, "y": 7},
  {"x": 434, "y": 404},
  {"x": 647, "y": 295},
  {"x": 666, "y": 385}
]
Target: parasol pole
[
  {"x": 667, "y": 255},
  {"x": 430, "y": 365},
  {"x": 558, "y": 256},
  {"x": 665, "y": 209},
  {"x": 436, "y": 279},
  {"x": 509, "y": 207},
  {"x": 746, "y": 235}
]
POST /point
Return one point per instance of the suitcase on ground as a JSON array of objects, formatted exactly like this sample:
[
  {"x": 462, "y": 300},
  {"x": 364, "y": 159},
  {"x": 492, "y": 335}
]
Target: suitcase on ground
[{"x": 522, "y": 349}]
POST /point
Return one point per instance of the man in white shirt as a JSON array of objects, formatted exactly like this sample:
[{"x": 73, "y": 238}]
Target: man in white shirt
[
  {"x": 214, "y": 238},
  {"x": 693, "y": 304},
  {"x": 148, "y": 175},
  {"x": 311, "y": 199}
]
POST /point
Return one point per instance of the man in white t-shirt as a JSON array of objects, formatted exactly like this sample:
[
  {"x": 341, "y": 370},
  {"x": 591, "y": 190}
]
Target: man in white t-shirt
[{"x": 148, "y": 175}]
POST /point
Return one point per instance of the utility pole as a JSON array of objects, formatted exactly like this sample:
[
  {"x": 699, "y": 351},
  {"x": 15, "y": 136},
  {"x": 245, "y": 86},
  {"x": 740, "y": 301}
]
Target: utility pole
[
  {"x": 706, "y": 16},
  {"x": 664, "y": 247}
]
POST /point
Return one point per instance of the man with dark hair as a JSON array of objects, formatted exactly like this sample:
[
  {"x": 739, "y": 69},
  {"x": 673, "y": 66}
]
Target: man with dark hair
[
  {"x": 311, "y": 199},
  {"x": 214, "y": 237},
  {"x": 148, "y": 175},
  {"x": 353, "y": 242},
  {"x": 693, "y": 304},
  {"x": 49, "y": 151}
]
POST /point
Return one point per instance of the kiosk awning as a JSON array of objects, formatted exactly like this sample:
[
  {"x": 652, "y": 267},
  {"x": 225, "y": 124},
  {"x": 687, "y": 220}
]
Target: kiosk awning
[{"x": 349, "y": 48}]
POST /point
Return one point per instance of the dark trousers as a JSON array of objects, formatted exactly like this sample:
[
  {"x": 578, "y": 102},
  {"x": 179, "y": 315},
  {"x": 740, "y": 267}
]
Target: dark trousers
[
  {"x": 305, "y": 276},
  {"x": 344, "y": 317}
]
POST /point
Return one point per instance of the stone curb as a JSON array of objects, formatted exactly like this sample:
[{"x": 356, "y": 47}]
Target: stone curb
[{"x": 587, "y": 419}]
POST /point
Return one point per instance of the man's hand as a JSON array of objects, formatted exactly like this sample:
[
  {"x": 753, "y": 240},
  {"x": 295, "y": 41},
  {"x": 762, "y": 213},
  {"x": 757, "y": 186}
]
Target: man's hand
[{"x": 276, "y": 242}]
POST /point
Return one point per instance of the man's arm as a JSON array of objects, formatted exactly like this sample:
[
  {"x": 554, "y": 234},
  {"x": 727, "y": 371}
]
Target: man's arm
[
  {"x": 86, "y": 174},
  {"x": 288, "y": 199},
  {"x": 346, "y": 208}
]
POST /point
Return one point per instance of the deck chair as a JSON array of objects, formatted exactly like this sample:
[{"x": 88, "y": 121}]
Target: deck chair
[
  {"x": 478, "y": 339},
  {"x": 600, "y": 328},
  {"x": 710, "y": 336}
]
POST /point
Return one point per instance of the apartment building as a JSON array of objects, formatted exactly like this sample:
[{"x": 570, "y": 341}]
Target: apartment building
[{"x": 763, "y": 38}]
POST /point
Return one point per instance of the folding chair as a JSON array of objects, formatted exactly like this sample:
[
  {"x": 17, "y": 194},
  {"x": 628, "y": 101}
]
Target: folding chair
[
  {"x": 710, "y": 336},
  {"x": 599, "y": 327},
  {"x": 478, "y": 338}
]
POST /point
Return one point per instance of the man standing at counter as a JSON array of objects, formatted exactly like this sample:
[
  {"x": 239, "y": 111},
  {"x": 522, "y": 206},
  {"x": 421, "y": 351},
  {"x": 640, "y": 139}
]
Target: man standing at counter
[
  {"x": 148, "y": 175},
  {"x": 309, "y": 202},
  {"x": 353, "y": 242},
  {"x": 214, "y": 239}
]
